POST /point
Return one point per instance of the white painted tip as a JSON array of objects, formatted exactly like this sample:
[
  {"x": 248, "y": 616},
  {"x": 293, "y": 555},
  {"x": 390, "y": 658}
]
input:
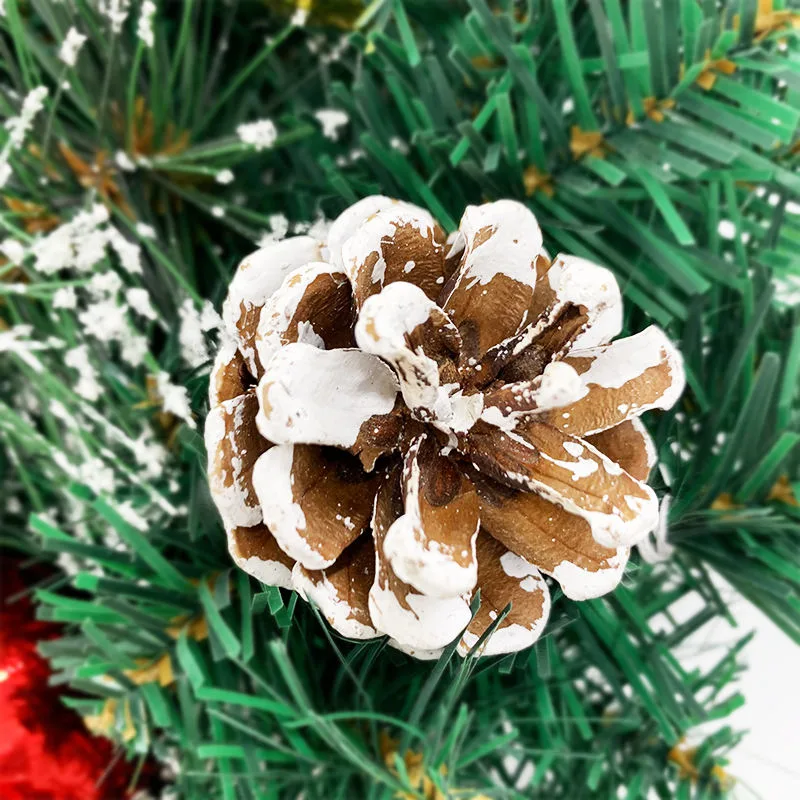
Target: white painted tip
[
  {"x": 334, "y": 608},
  {"x": 583, "y": 283},
  {"x": 429, "y": 623},
  {"x": 350, "y": 220},
  {"x": 429, "y": 569},
  {"x": 271, "y": 573},
  {"x": 262, "y": 272},
  {"x": 583, "y": 584},
  {"x": 312, "y": 396},
  {"x": 283, "y": 515}
]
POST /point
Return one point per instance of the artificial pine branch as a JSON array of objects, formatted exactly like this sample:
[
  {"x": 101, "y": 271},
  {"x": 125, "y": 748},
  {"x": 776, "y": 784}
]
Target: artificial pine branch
[{"x": 657, "y": 139}]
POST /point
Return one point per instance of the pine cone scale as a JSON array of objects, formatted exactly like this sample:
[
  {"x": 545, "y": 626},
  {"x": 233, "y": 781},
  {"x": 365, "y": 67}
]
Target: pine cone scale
[
  {"x": 559, "y": 543},
  {"x": 315, "y": 500},
  {"x": 315, "y": 307},
  {"x": 235, "y": 445},
  {"x": 640, "y": 376},
  {"x": 431, "y": 547},
  {"x": 399, "y": 243},
  {"x": 629, "y": 445},
  {"x": 256, "y": 551},
  {"x": 255, "y": 281},
  {"x": 342, "y": 592},
  {"x": 507, "y": 578},
  {"x": 313, "y": 396}
]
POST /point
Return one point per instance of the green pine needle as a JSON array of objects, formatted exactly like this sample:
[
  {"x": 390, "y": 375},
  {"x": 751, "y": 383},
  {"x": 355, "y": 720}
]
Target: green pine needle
[{"x": 689, "y": 194}]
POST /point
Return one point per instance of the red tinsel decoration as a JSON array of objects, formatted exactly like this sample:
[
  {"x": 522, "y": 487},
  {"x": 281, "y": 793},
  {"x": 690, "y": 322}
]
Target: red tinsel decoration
[{"x": 46, "y": 753}]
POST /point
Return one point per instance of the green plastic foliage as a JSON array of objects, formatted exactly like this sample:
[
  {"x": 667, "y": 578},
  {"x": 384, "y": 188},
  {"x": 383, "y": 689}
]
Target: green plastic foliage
[{"x": 659, "y": 139}]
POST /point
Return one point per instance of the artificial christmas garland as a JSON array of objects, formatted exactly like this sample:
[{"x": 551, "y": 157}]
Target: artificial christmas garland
[{"x": 148, "y": 147}]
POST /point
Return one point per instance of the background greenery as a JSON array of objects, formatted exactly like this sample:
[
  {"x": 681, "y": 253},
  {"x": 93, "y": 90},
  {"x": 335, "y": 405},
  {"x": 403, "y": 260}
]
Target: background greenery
[{"x": 657, "y": 138}]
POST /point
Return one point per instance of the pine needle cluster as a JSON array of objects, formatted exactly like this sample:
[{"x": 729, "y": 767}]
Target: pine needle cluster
[{"x": 149, "y": 146}]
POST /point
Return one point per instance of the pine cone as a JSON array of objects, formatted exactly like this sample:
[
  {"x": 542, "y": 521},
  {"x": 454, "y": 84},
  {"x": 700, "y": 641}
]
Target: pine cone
[{"x": 402, "y": 419}]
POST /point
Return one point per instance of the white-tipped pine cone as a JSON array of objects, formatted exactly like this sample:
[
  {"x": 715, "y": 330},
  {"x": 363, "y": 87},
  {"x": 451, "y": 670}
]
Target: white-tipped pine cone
[{"x": 400, "y": 419}]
